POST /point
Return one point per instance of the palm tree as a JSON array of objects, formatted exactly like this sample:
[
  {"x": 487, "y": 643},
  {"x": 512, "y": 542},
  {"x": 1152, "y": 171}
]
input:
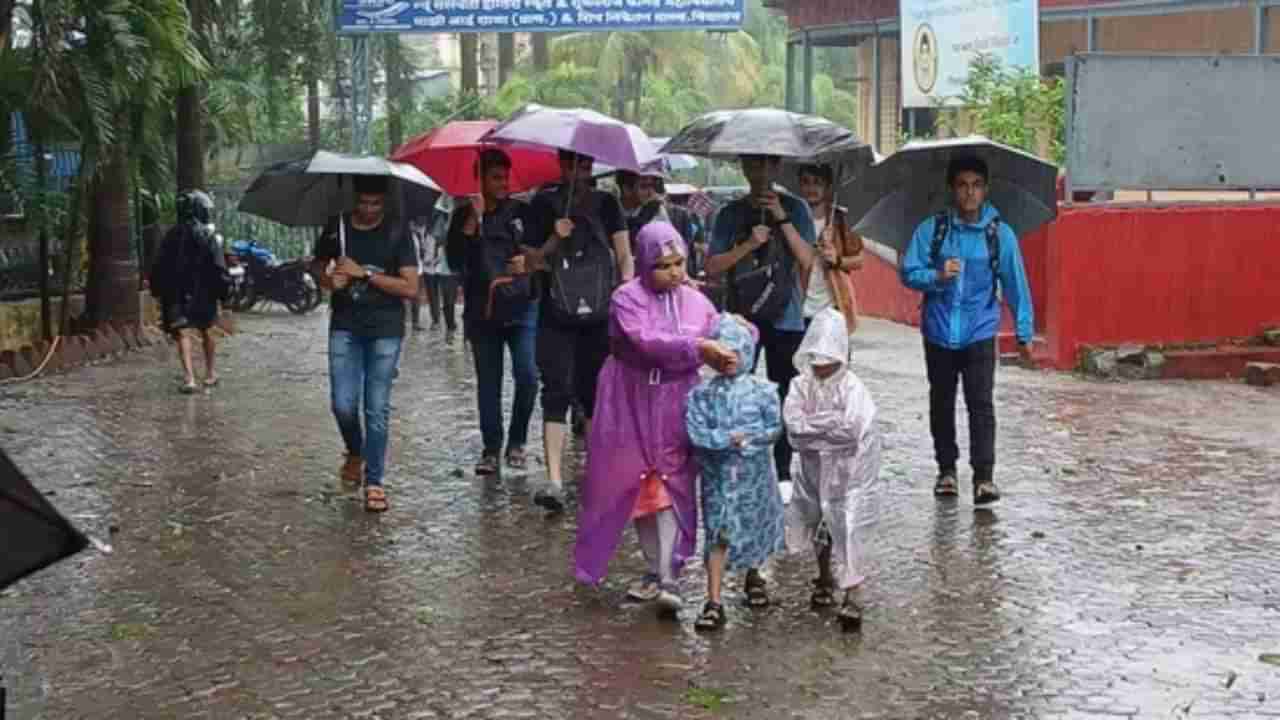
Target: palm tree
[
  {"x": 104, "y": 72},
  {"x": 625, "y": 58},
  {"x": 190, "y": 114}
]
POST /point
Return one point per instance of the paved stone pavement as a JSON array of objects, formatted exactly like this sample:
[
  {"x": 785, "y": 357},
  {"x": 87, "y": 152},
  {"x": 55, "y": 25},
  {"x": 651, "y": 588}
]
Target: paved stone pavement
[{"x": 1133, "y": 570}]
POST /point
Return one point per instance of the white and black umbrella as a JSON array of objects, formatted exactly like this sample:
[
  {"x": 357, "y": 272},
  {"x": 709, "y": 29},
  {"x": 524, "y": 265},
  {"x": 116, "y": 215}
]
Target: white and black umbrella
[{"x": 310, "y": 191}]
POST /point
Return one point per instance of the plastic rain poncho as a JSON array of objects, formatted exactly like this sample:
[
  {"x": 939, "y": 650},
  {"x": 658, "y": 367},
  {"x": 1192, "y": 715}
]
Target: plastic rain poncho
[
  {"x": 638, "y": 426},
  {"x": 741, "y": 504},
  {"x": 836, "y": 466}
]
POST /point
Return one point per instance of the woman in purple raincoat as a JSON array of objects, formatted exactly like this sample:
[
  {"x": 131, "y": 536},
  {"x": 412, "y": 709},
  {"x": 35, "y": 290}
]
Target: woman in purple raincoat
[{"x": 639, "y": 465}]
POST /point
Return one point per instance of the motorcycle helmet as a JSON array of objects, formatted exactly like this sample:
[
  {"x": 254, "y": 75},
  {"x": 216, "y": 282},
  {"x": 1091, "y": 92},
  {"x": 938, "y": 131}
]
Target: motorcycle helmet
[{"x": 195, "y": 208}]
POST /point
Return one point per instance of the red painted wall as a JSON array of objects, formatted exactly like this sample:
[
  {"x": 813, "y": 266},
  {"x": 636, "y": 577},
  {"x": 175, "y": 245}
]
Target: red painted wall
[
  {"x": 1116, "y": 275},
  {"x": 1156, "y": 275}
]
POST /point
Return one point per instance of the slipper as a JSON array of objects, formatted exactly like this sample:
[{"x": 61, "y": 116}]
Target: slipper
[
  {"x": 212, "y": 382},
  {"x": 189, "y": 388}
]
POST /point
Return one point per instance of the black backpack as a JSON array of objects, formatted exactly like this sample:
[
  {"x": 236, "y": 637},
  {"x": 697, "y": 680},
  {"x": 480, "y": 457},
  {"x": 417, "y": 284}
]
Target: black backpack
[
  {"x": 760, "y": 286},
  {"x": 508, "y": 295},
  {"x": 583, "y": 271},
  {"x": 942, "y": 224}
]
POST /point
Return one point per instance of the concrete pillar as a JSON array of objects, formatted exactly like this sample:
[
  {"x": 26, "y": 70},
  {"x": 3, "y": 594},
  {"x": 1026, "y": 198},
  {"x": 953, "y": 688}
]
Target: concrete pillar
[
  {"x": 788, "y": 77},
  {"x": 875, "y": 68},
  {"x": 807, "y": 93}
]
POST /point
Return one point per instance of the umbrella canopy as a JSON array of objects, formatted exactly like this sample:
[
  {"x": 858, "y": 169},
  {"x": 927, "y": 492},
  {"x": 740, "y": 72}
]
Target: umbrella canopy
[
  {"x": 310, "y": 191},
  {"x": 729, "y": 134},
  {"x": 676, "y": 161},
  {"x": 448, "y": 155},
  {"x": 586, "y": 132},
  {"x": 33, "y": 534},
  {"x": 910, "y": 185}
]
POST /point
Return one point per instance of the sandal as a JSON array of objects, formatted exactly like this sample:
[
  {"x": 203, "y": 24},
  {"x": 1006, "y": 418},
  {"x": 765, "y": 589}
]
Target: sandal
[
  {"x": 823, "y": 596},
  {"x": 850, "y": 616},
  {"x": 189, "y": 388},
  {"x": 712, "y": 618},
  {"x": 516, "y": 459},
  {"x": 488, "y": 464},
  {"x": 375, "y": 499},
  {"x": 947, "y": 486},
  {"x": 757, "y": 596},
  {"x": 212, "y": 382}
]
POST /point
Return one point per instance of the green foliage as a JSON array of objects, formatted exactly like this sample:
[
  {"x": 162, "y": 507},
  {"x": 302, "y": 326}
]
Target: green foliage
[{"x": 1016, "y": 106}]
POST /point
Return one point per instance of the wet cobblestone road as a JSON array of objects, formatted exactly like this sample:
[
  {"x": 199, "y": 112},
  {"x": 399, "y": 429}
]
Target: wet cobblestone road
[{"x": 1132, "y": 571}]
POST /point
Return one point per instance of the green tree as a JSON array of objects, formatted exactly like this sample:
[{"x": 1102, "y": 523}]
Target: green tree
[{"x": 1016, "y": 107}]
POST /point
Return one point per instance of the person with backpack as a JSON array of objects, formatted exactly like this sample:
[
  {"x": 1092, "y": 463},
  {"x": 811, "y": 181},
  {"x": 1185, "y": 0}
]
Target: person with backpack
[
  {"x": 442, "y": 278},
  {"x": 959, "y": 259},
  {"x": 374, "y": 270},
  {"x": 578, "y": 241},
  {"x": 830, "y": 283},
  {"x": 762, "y": 244},
  {"x": 500, "y": 310},
  {"x": 189, "y": 277}
]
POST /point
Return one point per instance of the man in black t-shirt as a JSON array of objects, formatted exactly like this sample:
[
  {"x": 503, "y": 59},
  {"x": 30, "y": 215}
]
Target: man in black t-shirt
[
  {"x": 371, "y": 268},
  {"x": 570, "y": 354}
]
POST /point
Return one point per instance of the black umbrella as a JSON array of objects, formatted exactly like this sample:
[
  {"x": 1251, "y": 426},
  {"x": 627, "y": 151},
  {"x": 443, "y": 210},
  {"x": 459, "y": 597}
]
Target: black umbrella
[
  {"x": 910, "y": 185},
  {"x": 728, "y": 134},
  {"x": 33, "y": 534},
  {"x": 312, "y": 190}
]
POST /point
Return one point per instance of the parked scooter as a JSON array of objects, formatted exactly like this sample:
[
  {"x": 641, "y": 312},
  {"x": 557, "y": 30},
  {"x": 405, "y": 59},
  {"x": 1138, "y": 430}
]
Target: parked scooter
[{"x": 265, "y": 278}]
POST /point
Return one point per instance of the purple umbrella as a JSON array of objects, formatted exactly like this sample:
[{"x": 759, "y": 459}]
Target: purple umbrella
[{"x": 586, "y": 132}]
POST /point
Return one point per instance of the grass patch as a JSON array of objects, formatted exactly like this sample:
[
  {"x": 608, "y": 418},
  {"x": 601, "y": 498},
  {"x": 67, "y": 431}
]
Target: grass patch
[
  {"x": 129, "y": 631},
  {"x": 706, "y": 698}
]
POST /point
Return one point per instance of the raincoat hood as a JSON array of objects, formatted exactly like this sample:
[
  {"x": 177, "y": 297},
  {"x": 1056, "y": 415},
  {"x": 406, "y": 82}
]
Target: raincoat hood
[
  {"x": 826, "y": 342},
  {"x": 741, "y": 337},
  {"x": 653, "y": 242}
]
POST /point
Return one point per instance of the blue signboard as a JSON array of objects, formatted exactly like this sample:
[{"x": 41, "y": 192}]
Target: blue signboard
[{"x": 409, "y": 16}]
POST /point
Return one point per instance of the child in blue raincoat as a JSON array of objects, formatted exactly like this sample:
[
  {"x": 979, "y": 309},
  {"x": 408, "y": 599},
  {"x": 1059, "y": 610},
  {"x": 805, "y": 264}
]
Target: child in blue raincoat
[{"x": 733, "y": 421}]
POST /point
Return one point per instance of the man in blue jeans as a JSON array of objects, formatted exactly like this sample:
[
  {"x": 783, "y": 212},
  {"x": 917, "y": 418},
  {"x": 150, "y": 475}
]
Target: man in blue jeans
[
  {"x": 501, "y": 310},
  {"x": 958, "y": 258},
  {"x": 371, "y": 268}
]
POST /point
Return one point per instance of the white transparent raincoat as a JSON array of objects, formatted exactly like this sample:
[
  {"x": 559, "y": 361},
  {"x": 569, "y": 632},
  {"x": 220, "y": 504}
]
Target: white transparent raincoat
[{"x": 836, "y": 466}]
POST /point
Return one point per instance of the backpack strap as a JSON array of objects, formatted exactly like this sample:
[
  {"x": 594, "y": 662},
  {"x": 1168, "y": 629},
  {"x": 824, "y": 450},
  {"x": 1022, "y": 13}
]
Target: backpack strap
[
  {"x": 941, "y": 224},
  {"x": 993, "y": 251}
]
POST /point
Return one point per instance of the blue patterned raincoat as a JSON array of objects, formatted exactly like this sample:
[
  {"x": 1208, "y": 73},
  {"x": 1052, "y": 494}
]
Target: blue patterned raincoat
[{"x": 733, "y": 423}]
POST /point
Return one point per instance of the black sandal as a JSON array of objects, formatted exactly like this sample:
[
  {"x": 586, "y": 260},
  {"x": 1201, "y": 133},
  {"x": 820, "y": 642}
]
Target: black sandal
[
  {"x": 488, "y": 464},
  {"x": 712, "y": 618},
  {"x": 757, "y": 596},
  {"x": 947, "y": 486},
  {"x": 850, "y": 616},
  {"x": 822, "y": 597},
  {"x": 516, "y": 459}
]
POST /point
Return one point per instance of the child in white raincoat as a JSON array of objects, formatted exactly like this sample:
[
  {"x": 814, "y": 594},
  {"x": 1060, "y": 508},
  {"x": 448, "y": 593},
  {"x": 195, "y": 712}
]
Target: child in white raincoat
[{"x": 830, "y": 418}]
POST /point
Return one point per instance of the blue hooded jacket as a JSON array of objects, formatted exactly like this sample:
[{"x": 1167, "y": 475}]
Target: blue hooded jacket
[{"x": 959, "y": 313}]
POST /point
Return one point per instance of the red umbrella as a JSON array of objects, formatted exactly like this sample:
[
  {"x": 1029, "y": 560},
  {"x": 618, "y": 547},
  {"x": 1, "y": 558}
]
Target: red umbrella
[{"x": 448, "y": 155}]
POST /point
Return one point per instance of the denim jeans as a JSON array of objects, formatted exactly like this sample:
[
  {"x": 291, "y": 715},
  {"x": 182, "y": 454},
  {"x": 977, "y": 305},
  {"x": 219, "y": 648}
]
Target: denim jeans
[
  {"x": 487, "y": 349},
  {"x": 361, "y": 370}
]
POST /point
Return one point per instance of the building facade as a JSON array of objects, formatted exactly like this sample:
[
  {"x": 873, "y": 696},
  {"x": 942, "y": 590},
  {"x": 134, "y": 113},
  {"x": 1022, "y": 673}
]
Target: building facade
[{"x": 868, "y": 31}]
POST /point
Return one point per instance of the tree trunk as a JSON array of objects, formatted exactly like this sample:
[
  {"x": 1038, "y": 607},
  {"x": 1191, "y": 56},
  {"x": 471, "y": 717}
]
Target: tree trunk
[
  {"x": 190, "y": 117},
  {"x": 6, "y": 23},
  {"x": 313, "y": 112},
  {"x": 46, "y": 305},
  {"x": 620, "y": 97},
  {"x": 470, "y": 68},
  {"x": 394, "y": 62},
  {"x": 506, "y": 57},
  {"x": 112, "y": 295},
  {"x": 541, "y": 51}
]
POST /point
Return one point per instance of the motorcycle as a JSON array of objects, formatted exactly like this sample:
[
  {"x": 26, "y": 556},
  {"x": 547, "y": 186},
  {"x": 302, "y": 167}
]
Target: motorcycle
[{"x": 264, "y": 278}]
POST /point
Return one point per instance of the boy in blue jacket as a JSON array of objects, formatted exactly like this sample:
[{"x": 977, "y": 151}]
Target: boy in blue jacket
[{"x": 956, "y": 258}]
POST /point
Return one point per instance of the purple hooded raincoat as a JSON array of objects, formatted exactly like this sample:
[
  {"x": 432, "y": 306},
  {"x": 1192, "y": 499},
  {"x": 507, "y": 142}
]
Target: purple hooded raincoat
[{"x": 639, "y": 422}]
